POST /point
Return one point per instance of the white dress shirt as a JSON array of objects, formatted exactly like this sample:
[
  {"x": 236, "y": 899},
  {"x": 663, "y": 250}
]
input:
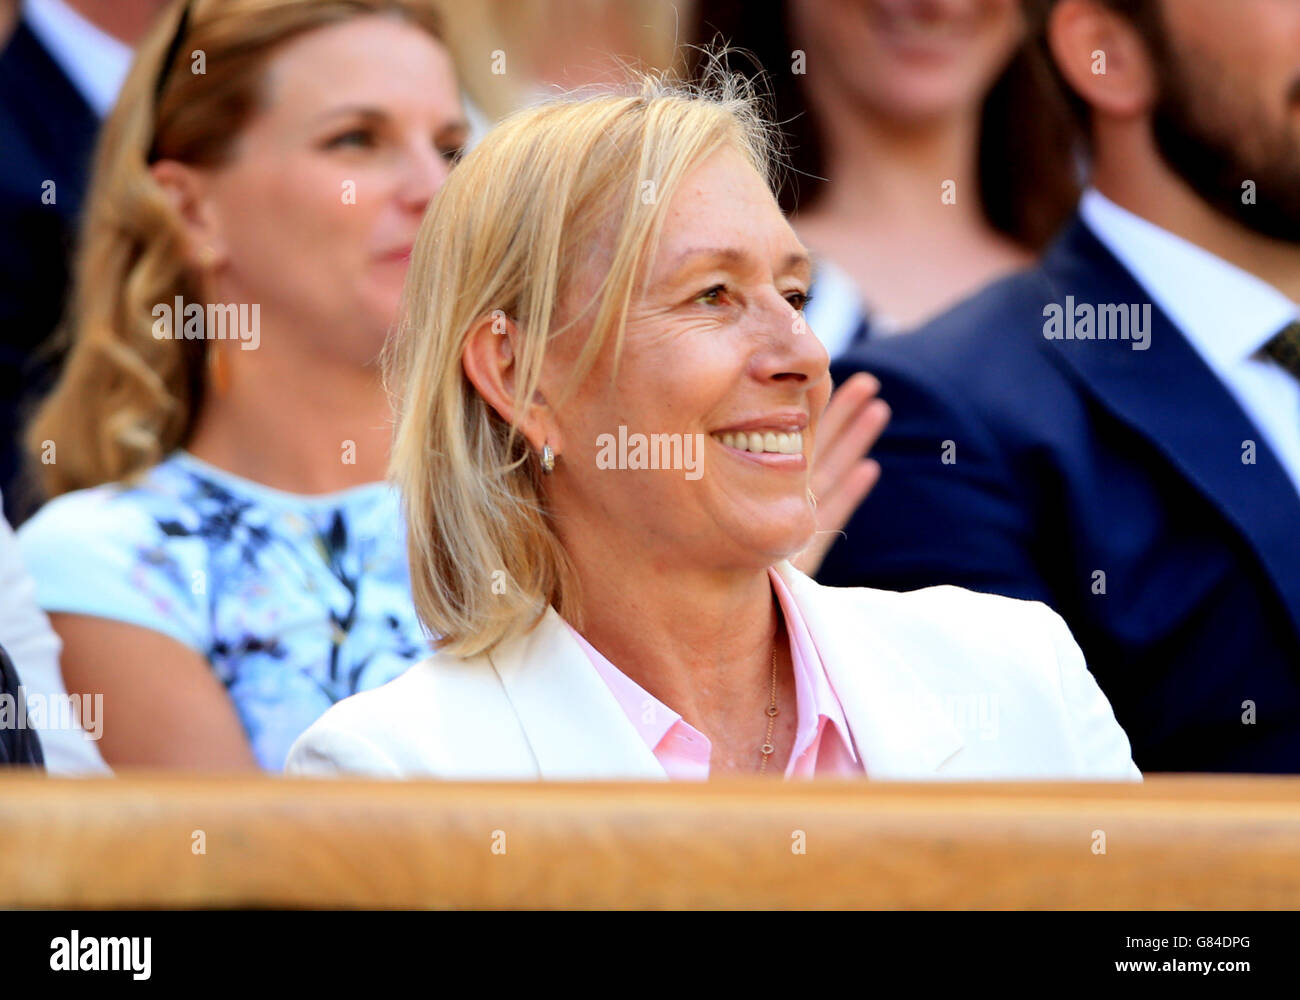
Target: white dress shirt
[
  {"x": 1226, "y": 314},
  {"x": 27, "y": 637},
  {"x": 835, "y": 310},
  {"x": 90, "y": 57}
]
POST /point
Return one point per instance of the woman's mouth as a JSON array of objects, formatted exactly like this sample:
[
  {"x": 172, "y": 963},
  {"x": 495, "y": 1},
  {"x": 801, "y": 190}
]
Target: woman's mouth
[{"x": 762, "y": 442}]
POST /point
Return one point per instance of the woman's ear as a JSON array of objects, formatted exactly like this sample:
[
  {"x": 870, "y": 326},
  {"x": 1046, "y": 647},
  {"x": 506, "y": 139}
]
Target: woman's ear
[
  {"x": 187, "y": 189},
  {"x": 488, "y": 360}
]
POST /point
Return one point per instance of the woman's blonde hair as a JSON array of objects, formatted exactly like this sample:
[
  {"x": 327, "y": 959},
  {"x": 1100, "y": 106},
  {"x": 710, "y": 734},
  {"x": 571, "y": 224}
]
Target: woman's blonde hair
[
  {"x": 547, "y": 191},
  {"x": 126, "y": 399}
]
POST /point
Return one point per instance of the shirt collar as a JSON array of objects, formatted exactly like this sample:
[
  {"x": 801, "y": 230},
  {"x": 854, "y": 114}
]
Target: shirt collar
[
  {"x": 812, "y": 686},
  {"x": 816, "y": 697},
  {"x": 836, "y": 309},
  {"x": 1227, "y": 314},
  {"x": 90, "y": 57},
  {"x": 651, "y": 717}
]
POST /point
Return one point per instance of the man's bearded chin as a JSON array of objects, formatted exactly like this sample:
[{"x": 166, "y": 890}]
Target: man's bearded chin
[{"x": 1217, "y": 141}]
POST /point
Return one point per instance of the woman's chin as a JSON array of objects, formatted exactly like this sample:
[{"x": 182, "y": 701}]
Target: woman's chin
[{"x": 780, "y": 541}]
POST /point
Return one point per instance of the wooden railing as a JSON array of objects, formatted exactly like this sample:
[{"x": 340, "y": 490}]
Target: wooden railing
[{"x": 170, "y": 841}]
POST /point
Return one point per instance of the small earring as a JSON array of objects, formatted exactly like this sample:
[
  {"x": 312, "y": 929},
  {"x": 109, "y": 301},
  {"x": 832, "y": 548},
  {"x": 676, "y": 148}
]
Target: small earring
[
  {"x": 207, "y": 258},
  {"x": 548, "y": 459},
  {"x": 218, "y": 374}
]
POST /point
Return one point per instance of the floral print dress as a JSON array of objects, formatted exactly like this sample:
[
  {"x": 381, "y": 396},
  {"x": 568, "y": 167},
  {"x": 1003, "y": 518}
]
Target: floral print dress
[{"x": 295, "y": 601}]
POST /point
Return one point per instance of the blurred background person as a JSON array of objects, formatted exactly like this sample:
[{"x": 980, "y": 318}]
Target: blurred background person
[
  {"x": 600, "y": 618},
  {"x": 222, "y": 560},
  {"x": 61, "y": 65},
  {"x": 26, "y": 637},
  {"x": 516, "y": 52},
  {"x": 929, "y": 154},
  {"x": 1117, "y": 432},
  {"x": 20, "y": 745}
]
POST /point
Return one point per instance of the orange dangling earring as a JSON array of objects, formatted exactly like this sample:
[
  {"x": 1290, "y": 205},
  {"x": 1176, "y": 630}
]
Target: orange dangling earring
[{"x": 218, "y": 374}]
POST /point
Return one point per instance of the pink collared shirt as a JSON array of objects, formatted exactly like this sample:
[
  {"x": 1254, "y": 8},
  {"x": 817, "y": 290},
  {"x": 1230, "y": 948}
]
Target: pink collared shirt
[{"x": 823, "y": 745}]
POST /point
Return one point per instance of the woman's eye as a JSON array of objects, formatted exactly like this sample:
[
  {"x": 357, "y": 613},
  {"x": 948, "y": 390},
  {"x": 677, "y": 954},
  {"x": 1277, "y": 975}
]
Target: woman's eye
[
  {"x": 357, "y": 138},
  {"x": 799, "y": 300},
  {"x": 710, "y": 297},
  {"x": 452, "y": 154}
]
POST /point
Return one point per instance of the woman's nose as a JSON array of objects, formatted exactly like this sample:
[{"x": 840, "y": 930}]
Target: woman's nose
[
  {"x": 794, "y": 349},
  {"x": 810, "y": 357},
  {"x": 424, "y": 170}
]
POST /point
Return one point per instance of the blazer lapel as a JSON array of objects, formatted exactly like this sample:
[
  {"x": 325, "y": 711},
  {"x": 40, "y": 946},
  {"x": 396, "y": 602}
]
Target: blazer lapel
[
  {"x": 575, "y": 726},
  {"x": 1168, "y": 395},
  {"x": 899, "y": 726}
]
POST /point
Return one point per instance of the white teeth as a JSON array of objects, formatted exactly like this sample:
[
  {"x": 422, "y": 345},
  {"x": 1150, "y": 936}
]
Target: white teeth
[{"x": 772, "y": 442}]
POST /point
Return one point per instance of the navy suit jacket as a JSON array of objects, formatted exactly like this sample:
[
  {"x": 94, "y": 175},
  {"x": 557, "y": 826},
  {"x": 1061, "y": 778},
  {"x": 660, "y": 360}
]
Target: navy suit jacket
[
  {"x": 47, "y": 133},
  {"x": 1117, "y": 485}
]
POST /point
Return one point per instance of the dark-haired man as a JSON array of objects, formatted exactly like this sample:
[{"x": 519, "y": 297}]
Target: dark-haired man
[{"x": 1117, "y": 431}]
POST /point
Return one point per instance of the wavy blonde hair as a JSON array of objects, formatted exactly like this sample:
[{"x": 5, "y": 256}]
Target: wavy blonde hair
[
  {"x": 547, "y": 190},
  {"x": 126, "y": 399}
]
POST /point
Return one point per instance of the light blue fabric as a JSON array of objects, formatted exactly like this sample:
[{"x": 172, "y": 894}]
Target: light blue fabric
[{"x": 296, "y": 601}]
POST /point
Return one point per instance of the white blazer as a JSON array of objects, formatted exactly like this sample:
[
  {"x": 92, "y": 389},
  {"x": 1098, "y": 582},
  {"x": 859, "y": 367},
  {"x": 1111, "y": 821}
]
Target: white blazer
[{"x": 940, "y": 683}]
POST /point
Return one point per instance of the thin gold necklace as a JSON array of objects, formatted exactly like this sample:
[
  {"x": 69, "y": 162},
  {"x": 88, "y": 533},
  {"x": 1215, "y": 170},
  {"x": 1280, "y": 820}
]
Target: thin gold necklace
[{"x": 767, "y": 749}]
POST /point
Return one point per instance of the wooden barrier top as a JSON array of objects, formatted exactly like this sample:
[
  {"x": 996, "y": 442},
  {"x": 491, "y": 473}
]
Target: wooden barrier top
[{"x": 166, "y": 840}]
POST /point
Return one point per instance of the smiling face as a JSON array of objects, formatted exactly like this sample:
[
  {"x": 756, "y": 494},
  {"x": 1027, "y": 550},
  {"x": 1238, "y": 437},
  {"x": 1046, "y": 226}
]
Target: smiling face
[
  {"x": 714, "y": 346},
  {"x": 318, "y": 209},
  {"x": 907, "y": 60}
]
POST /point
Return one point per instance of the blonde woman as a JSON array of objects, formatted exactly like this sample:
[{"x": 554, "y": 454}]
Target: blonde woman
[
  {"x": 222, "y": 559},
  {"x": 608, "y": 403}
]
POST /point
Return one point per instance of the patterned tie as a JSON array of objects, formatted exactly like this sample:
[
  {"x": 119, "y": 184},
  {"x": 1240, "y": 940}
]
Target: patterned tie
[{"x": 1285, "y": 348}]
